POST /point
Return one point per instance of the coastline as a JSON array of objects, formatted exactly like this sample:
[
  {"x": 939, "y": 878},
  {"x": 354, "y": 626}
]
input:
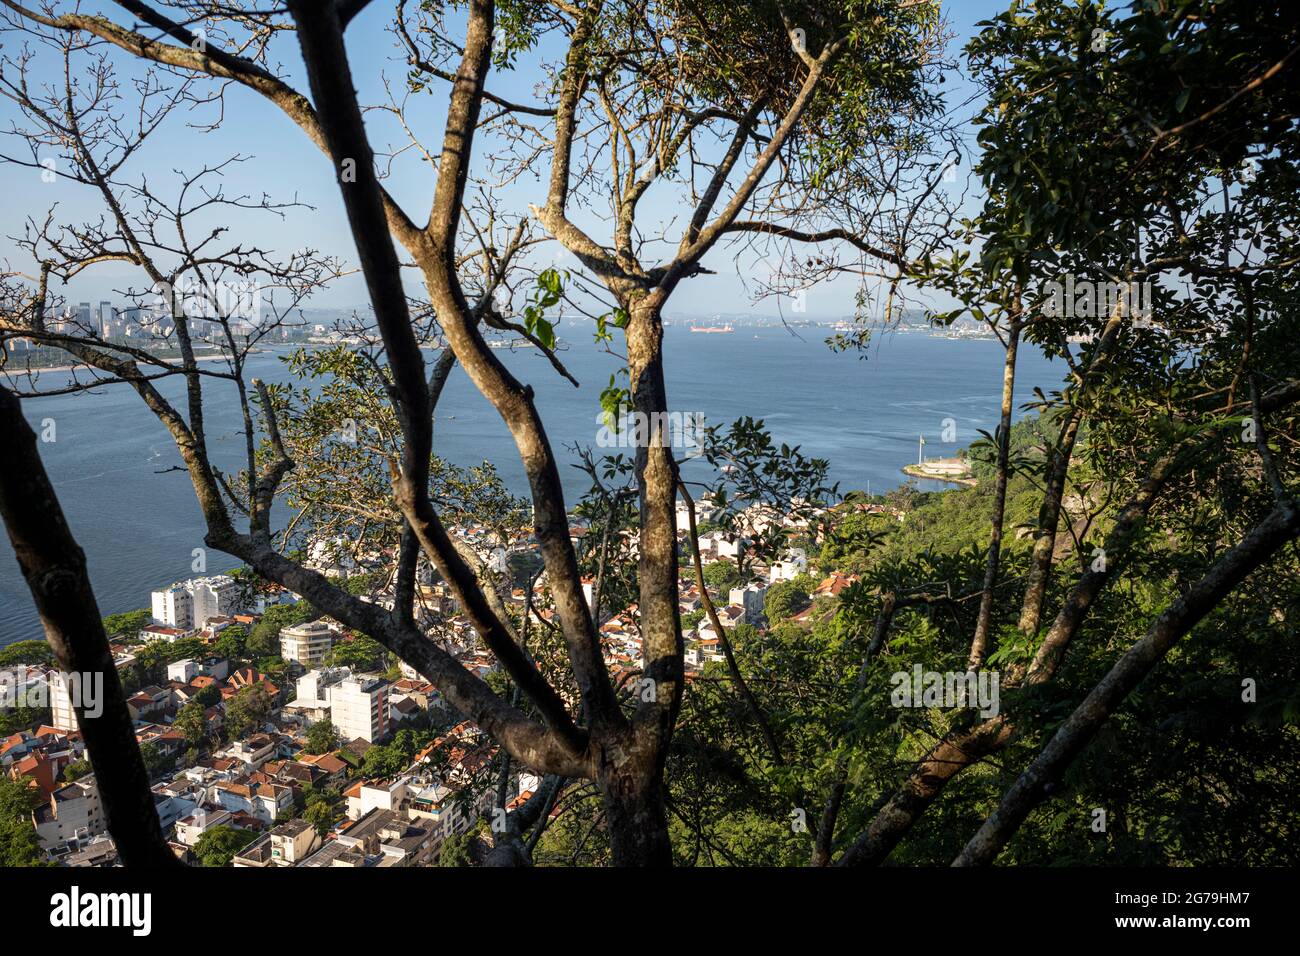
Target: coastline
[
  {"x": 919, "y": 471},
  {"x": 24, "y": 370}
]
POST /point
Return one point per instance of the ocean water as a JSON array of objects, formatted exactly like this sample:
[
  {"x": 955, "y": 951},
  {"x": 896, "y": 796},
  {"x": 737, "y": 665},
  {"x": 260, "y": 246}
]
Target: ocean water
[{"x": 138, "y": 521}]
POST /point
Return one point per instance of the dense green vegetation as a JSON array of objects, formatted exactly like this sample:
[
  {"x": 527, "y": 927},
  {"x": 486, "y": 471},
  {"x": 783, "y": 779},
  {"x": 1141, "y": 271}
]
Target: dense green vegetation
[
  {"x": 219, "y": 845},
  {"x": 1172, "y": 468},
  {"x": 18, "y": 843},
  {"x": 25, "y": 652},
  {"x": 127, "y": 626}
]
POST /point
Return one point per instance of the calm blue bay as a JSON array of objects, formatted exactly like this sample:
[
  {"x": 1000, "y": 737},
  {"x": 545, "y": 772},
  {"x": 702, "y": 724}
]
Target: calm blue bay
[{"x": 138, "y": 522}]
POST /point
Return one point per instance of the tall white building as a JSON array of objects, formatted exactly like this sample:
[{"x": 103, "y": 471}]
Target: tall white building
[
  {"x": 69, "y": 689},
  {"x": 85, "y": 687},
  {"x": 359, "y": 708},
  {"x": 307, "y": 644},
  {"x": 174, "y": 607},
  {"x": 217, "y": 596},
  {"x": 62, "y": 714},
  {"x": 105, "y": 319},
  {"x": 189, "y": 604}
]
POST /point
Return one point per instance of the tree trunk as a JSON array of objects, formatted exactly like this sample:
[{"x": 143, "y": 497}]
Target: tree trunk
[
  {"x": 55, "y": 569},
  {"x": 979, "y": 644},
  {"x": 1049, "y": 517},
  {"x": 635, "y": 815},
  {"x": 631, "y": 781},
  {"x": 1057, "y": 473},
  {"x": 657, "y": 482}
]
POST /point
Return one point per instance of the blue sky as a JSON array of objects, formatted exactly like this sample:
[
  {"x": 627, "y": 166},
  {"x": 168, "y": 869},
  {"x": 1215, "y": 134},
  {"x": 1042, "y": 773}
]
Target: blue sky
[{"x": 282, "y": 163}]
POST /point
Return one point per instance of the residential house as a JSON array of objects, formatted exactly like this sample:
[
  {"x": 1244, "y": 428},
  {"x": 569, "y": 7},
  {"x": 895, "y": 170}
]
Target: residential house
[
  {"x": 73, "y": 814},
  {"x": 262, "y": 800},
  {"x": 331, "y": 765},
  {"x": 288, "y": 844},
  {"x": 834, "y": 584},
  {"x": 252, "y": 751},
  {"x": 382, "y": 838},
  {"x": 366, "y": 795},
  {"x": 199, "y": 821}
]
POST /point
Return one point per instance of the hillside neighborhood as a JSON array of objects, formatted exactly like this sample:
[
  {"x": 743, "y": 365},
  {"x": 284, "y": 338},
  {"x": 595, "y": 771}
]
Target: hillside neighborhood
[{"x": 276, "y": 737}]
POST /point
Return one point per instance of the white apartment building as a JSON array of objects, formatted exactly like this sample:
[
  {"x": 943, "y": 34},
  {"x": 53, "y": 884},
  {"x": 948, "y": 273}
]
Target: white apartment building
[
  {"x": 312, "y": 700},
  {"x": 307, "y": 644},
  {"x": 62, "y": 714},
  {"x": 332, "y": 557},
  {"x": 252, "y": 752},
  {"x": 73, "y": 813},
  {"x": 359, "y": 708},
  {"x": 433, "y": 804},
  {"x": 62, "y": 690},
  {"x": 174, "y": 607},
  {"x": 717, "y": 545},
  {"x": 189, "y": 604},
  {"x": 704, "y": 510},
  {"x": 217, "y": 596},
  {"x": 65, "y": 689},
  {"x": 182, "y": 671},
  {"x": 314, "y": 684},
  {"x": 752, "y": 597},
  {"x": 365, "y": 796}
]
